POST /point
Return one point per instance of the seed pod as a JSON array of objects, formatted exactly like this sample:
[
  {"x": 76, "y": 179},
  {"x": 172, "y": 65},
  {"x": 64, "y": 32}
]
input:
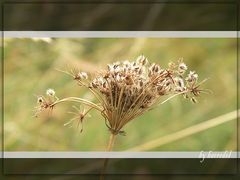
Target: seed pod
[
  {"x": 192, "y": 77},
  {"x": 156, "y": 68},
  {"x": 160, "y": 90},
  {"x": 142, "y": 60},
  {"x": 194, "y": 100},
  {"x": 149, "y": 73},
  {"x": 126, "y": 63},
  {"x": 129, "y": 80},
  {"x": 136, "y": 69},
  {"x": 195, "y": 92},
  {"x": 124, "y": 70},
  {"x": 182, "y": 68},
  {"x": 106, "y": 75},
  {"x": 105, "y": 91},
  {"x": 109, "y": 66},
  {"x": 185, "y": 96},
  {"x": 178, "y": 89},
  {"x": 151, "y": 68},
  {"x": 104, "y": 84},
  {"x": 83, "y": 75},
  {"x": 40, "y": 100},
  {"x": 179, "y": 81},
  {"x": 167, "y": 83},
  {"x": 94, "y": 84},
  {"x": 171, "y": 65}
]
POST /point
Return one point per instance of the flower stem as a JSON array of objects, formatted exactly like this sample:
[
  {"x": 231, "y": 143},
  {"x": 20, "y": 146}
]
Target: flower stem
[
  {"x": 111, "y": 142},
  {"x": 79, "y": 100},
  {"x": 109, "y": 148}
]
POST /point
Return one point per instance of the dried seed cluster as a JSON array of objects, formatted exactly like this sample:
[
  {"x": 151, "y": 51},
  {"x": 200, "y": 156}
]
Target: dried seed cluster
[
  {"x": 127, "y": 89},
  {"x": 137, "y": 85},
  {"x": 45, "y": 102}
]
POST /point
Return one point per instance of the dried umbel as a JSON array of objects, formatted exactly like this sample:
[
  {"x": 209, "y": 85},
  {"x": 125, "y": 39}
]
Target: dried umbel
[{"x": 126, "y": 90}]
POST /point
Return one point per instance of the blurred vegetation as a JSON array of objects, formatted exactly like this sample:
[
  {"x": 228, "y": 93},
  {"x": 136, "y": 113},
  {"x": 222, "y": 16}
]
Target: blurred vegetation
[
  {"x": 30, "y": 68},
  {"x": 124, "y": 16}
]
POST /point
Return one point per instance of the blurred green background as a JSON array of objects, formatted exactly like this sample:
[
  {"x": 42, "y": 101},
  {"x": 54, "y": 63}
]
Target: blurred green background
[{"x": 30, "y": 68}]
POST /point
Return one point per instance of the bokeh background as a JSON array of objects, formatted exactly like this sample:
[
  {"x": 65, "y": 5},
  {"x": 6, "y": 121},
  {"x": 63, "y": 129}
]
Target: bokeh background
[{"x": 30, "y": 68}]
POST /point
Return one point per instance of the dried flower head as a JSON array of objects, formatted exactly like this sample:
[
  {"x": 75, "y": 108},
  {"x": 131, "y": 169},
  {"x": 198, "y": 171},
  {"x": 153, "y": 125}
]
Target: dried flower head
[
  {"x": 126, "y": 90},
  {"x": 45, "y": 103}
]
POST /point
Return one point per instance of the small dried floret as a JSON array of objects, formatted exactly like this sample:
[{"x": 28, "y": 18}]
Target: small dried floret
[
  {"x": 182, "y": 67},
  {"x": 83, "y": 75},
  {"x": 142, "y": 60},
  {"x": 50, "y": 92},
  {"x": 194, "y": 100},
  {"x": 94, "y": 83},
  {"x": 171, "y": 65},
  {"x": 110, "y": 67},
  {"x": 151, "y": 68},
  {"x": 40, "y": 100},
  {"x": 192, "y": 77},
  {"x": 179, "y": 82}
]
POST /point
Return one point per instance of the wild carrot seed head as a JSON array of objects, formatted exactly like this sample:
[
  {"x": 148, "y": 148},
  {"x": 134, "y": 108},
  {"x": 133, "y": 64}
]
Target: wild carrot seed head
[{"x": 127, "y": 89}]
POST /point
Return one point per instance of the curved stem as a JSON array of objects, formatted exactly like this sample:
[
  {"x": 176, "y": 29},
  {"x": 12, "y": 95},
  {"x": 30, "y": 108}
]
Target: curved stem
[
  {"x": 76, "y": 99},
  {"x": 109, "y": 148},
  {"x": 173, "y": 96}
]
